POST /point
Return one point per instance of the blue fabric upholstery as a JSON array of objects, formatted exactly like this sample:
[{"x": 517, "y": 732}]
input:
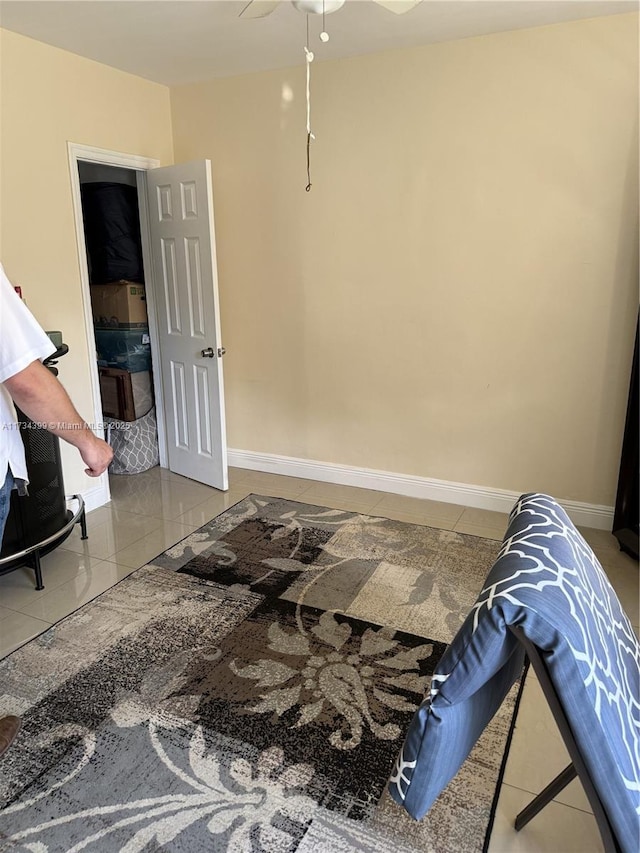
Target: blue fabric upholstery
[{"x": 548, "y": 581}]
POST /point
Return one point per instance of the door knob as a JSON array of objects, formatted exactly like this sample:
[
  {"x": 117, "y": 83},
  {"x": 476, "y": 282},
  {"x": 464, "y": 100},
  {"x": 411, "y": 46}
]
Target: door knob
[
  {"x": 208, "y": 353},
  {"x": 221, "y": 351}
]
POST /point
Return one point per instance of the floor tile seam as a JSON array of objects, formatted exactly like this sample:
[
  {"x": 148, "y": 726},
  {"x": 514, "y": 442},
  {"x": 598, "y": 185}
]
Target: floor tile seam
[
  {"x": 79, "y": 602},
  {"x": 311, "y": 484},
  {"x": 160, "y": 526},
  {"x": 380, "y": 498},
  {"x": 115, "y": 563},
  {"x": 492, "y": 523},
  {"x": 46, "y": 592},
  {"x": 83, "y": 552},
  {"x": 206, "y": 519},
  {"x": 409, "y": 518},
  {"x": 347, "y": 506},
  {"x": 130, "y": 570},
  {"x": 278, "y": 492},
  {"x": 192, "y": 529},
  {"x": 187, "y": 485},
  {"x": 116, "y": 507},
  {"x": 247, "y": 483},
  {"x": 489, "y": 536},
  {"x": 308, "y": 497},
  {"x": 172, "y": 488},
  {"x": 174, "y": 513},
  {"x": 369, "y": 511},
  {"x": 128, "y": 565},
  {"x": 258, "y": 484},
  {"x": 535, "y": 794},
  {"x": 489, "y": 532},
  {"x": 321, "y": 484},
  {"x": 162, "y": 521},
  {"x": 372, "y": 509},
  {"x": 129, "y": 505},
  {"x": 22, "y": 613},
  {"x": 369, "y": 508},
  {"x": 462, "y": 512},
  {"x": 424, "y": 513},
  {"x": 111, "y": 553},
  {"x": 47, "y": 581}
]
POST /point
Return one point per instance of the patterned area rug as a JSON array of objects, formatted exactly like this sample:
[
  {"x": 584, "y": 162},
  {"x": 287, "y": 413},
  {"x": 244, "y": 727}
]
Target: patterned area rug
[{"x": 249, "y": 690}]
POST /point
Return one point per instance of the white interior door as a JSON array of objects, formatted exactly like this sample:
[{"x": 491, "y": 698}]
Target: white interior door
[{"x": 185, "y": 283}]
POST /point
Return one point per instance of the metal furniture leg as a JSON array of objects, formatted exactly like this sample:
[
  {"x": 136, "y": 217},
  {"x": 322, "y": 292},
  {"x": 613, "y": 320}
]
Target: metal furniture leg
[
  {"x": 38, "y": 569},
  {"x": 576, "y": 768},
  {"x": 550, "y": 792},
  {"x": 83, "y": 524},
  {"x": 30, "y": 556}
]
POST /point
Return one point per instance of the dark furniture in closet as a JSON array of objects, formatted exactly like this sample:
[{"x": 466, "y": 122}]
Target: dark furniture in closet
[{"x": 625, "y": 521}]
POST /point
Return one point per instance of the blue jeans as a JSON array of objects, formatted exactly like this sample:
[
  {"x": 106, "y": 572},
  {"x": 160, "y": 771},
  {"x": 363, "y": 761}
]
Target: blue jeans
[{"x": 5, "y": 498}]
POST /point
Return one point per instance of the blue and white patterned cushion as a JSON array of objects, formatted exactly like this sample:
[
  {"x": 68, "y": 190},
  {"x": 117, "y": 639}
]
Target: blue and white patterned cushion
[{"x": 547, "y": 581}]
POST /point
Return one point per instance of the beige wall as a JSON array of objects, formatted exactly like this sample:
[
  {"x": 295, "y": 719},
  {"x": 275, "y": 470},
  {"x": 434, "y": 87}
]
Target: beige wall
[
  {"x": 456, "y": 296},
  {"x": 50, "y": 97}
]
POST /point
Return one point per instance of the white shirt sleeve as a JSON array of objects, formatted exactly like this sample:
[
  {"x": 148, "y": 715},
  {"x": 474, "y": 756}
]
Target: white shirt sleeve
[{"x": 22, "y": 340}]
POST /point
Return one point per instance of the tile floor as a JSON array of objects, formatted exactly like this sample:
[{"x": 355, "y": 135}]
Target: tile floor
[{"x": 151, "y": 511}]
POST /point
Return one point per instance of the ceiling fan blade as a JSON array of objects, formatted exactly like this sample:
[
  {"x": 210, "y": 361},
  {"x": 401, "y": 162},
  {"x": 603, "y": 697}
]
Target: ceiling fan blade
[
  {"x": 398, "y": 6},
  {"x": 259, "y": 8}
]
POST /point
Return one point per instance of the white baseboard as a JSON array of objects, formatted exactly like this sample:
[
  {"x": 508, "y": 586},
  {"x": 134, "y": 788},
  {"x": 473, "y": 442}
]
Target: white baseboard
[
  {"x": 481, "y": 497},
  {"x": 96, "y": 497}
]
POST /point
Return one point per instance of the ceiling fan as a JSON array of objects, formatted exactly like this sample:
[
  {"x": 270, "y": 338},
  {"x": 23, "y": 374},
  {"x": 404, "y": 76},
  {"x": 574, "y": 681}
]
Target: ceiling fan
[{"x": 262, "y": 8}]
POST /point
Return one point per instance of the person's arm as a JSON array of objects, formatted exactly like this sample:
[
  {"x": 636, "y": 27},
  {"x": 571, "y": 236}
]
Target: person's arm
[{"x": 37, "y": 392}]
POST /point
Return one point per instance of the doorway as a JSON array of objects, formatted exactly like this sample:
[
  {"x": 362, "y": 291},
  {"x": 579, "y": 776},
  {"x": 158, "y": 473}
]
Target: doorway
[
  {"x": 111, "y": 222},
  {"x": 180, "y": 270},
  {"x": 127, "y": 167}
]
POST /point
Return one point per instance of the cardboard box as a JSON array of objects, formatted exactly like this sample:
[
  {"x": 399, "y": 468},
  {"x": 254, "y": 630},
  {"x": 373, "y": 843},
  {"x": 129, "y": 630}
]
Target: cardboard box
[{"x": 119, "y": 305}]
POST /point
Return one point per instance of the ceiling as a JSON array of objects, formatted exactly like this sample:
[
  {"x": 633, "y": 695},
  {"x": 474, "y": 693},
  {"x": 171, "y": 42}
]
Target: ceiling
[{"x": 185, "y": 41}]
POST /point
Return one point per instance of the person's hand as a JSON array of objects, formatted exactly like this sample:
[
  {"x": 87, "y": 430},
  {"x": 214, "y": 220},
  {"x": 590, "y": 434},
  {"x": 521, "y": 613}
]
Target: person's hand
[{"x": 97, "y": 455}]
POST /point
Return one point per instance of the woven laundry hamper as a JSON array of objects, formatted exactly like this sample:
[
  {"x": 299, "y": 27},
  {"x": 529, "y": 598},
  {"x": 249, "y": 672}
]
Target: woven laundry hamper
[{"x": 134, "y": 444}]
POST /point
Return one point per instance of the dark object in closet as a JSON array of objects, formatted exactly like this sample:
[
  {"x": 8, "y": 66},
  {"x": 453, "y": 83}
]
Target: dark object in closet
[
  {"x": 112, "y": 232},
  {"x": 116, "y": 392},
  {"x": 625, "y": 521}
]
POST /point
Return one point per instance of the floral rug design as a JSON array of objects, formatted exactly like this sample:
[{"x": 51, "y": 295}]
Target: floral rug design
[{"x": 248, "y": 690}]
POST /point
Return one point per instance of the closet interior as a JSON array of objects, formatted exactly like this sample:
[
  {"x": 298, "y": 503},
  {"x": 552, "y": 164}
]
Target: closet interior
[{"x": 111, "y": 222}]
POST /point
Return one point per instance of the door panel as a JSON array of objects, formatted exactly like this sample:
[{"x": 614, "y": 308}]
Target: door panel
[{"x": 186, "y": 282}]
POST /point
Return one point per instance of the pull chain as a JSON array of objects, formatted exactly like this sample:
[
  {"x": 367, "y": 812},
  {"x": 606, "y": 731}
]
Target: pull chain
[{"x": 310, "y": 136}]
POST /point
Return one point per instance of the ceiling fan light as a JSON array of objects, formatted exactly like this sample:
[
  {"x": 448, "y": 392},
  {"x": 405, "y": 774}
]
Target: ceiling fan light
[{"x": 317, "y": 7}]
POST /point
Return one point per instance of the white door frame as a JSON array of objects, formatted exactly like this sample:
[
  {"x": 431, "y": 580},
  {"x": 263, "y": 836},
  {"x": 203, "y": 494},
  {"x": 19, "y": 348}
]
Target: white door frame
[{"x": 103, "y": 156}]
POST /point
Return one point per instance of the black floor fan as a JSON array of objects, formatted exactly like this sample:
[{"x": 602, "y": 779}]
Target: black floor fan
[{"x": 42, "y": 514}]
